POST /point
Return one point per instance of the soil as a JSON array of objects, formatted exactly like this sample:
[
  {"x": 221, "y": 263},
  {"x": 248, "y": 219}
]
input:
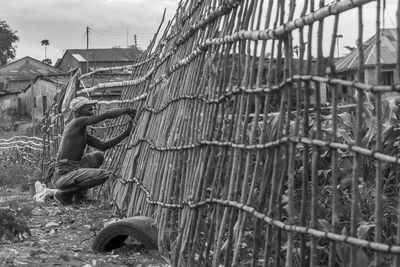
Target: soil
[{"x": 63, "y": 236}]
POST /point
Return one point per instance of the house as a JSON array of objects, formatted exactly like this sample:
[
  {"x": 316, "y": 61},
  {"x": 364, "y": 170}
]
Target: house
[
  {"x": 37, "y": 97},
  {"x": 97, "y": 58},
  {"x": 32, "y": 102},
  {"x": 347, "y": 67},
  {"x": 27, "y": 68},
  {"x": 15, "y": 79},
  {"x": 271, "y": 76}
]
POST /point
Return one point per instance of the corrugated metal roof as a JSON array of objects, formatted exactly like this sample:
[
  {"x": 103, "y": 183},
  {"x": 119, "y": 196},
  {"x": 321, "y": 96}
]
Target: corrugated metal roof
[
  {"x": 78, "y": 57},
  {"x": 17, "y": 86},
  {"x": 20, "y": 86},
  {"x": 388, "y": 52},
  {"x": 17, "y": 71},
  {"x": 106, "y": 54}
]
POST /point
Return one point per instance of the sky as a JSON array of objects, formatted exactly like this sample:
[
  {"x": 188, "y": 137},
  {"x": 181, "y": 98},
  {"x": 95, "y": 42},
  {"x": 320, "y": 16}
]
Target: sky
[
  {"x": 113, "y": 23},
  {"x": 63, "y": 22}
]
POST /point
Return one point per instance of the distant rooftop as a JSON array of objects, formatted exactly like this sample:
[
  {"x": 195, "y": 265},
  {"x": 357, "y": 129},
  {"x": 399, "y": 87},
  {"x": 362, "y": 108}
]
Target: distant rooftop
[
  {"x": 388, "y": 52},
  {"x": 105, "y": 54},
  {"x": 27, "y": 68}
]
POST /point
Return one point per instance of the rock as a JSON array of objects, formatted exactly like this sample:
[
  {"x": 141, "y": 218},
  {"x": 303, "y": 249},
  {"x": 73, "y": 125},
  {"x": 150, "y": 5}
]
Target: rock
[
  {"x": 51, "y": 224},
  {"x": 18, "y": 263},
  {"x": 65, "y": 256},
  {"x": 7, "y": 255},
  {"x": 36, "y": 253},
  {"x": 55, "y": 212}
]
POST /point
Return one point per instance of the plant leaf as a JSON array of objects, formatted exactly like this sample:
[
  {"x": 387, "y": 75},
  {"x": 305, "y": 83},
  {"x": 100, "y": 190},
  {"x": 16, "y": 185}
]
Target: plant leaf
[
  {"x": 325, "y": 225},
  {"x": 362, "y": 230}
]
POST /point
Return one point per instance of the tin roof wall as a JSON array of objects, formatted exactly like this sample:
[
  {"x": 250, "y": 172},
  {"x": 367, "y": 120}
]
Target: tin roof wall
[
  {"x": 388, "y": 52},
  {"x": 105, "y": 54},
  {"x": 17, "y": 86}
]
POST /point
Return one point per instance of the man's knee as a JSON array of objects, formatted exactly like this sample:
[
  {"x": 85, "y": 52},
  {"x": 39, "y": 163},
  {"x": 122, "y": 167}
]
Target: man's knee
[
  {"x": 99, "y": 156},
  {"x": 93, "y": 160},
  {"x": 97, "y": 177}
]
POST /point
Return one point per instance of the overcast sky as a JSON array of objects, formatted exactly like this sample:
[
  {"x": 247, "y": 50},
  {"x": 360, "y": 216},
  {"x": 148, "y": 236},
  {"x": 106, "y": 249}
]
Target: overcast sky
[
  {"x": 64, "y": 22},
  {"x": 115, "y": 22}
]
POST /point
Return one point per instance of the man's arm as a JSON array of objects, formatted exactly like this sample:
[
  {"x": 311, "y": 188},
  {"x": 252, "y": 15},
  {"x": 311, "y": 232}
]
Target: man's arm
[
  {"x": 109, "y": 114},
  {"x": 104, "y": 145}
]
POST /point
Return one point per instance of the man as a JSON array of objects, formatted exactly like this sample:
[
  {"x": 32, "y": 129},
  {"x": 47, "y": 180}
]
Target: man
[{"x": 75, "y": 172}]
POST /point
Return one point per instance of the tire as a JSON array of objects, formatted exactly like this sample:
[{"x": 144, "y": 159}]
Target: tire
[{"x": 140, "y": 228}]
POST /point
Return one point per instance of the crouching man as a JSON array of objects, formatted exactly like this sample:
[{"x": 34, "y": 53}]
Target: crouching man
[{"x": 75, "y": 172}]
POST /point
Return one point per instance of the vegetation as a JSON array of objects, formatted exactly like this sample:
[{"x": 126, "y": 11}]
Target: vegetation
[
  {"x": 367, "y": 182},
  {"x": 7, "y": 39},
  {"x": 19, "y": 167},
  {"x": 45, "y": 43}
]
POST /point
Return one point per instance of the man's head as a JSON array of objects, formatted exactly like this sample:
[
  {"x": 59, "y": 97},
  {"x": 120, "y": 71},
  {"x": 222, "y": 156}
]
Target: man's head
[{"x": 82, "y": 106}]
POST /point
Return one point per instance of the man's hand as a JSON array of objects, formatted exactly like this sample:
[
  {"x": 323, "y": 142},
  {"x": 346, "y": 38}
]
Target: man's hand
[{"x": 132, "y": 113}]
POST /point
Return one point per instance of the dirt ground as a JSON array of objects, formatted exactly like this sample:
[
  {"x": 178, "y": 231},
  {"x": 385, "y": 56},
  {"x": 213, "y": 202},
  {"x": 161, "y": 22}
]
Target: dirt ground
[{"x": 63, "y": 236}]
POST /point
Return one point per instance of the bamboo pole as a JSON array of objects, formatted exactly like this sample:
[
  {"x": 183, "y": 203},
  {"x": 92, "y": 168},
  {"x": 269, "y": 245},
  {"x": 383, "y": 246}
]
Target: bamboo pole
[
  {"x": 316, "y": 150},
  {"x": 240, "y": 133},
  {"x": 396, "y": 262},
  {"x": 292, "y": 147},
  {"x": 209, "y": 163},
  {"x": 378, "y": 145},
  {"x": 247, "y": 192},
  {"x": 334, "y": 162}
]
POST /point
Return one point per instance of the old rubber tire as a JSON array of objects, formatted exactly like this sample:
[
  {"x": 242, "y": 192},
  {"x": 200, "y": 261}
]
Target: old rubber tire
[{"x": 140, "y": 228}]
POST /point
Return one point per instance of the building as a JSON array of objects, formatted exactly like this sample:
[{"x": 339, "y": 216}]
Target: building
[
  {"x": 38, "y": 96},
  {"x": 97, "y": 58},
  {"x": 15, "y": 80},
  {"x": 31, "y": 102},
  {"x": 347, "y": 67}
]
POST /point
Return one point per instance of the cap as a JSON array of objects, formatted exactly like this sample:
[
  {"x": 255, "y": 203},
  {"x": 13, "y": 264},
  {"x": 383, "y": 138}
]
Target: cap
[{"x": 78, "y": 102}]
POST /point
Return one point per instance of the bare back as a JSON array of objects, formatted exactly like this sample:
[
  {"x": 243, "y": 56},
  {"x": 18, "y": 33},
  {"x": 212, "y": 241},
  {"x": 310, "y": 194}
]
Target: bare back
[
  {"x": 75, "y": 138},
  {"x": 73, "y": 142}
]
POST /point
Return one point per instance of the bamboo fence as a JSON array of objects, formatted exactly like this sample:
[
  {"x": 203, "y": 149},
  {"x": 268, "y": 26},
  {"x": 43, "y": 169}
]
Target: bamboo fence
[{"x": 231, "y": 154}]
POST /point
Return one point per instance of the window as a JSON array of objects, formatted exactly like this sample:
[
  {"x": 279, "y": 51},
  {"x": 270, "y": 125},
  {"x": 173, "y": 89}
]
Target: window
[
  {"x": 19, "y": 106},
  {"x": 387, "y": 78},
  {"x": 44, "y": 103}
]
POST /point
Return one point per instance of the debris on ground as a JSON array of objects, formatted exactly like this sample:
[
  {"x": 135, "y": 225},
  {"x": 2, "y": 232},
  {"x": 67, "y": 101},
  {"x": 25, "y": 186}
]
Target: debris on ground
[{"x": 62, "y": 235}]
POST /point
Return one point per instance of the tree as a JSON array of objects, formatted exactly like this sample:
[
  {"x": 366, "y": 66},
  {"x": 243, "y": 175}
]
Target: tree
[
  {"x": 350, "y": 48},
  {"x": 45, "y": 43},
  {"x": 47, "y": 61},
  {"x": 7, "y": 38}
]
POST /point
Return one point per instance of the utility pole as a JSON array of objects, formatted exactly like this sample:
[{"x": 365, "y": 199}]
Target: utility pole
[
  {"x": 135, "y": 41},
  {"x": 87, "y": 49},
  {"x": 337, "y": 43},
  {"x": 127, "y": 37}
]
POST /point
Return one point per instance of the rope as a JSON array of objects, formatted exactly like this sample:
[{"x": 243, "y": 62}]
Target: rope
[
  {"x": 118, "y": 84},
  {"x": 261, "y": 216},
  {"x": 270, "y": 145},
  {"x": 124, "y": 67}
]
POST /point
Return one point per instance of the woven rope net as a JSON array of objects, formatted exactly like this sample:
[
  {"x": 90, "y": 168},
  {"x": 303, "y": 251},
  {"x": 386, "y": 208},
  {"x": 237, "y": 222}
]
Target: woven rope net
[{"x": 255, "y": 144}]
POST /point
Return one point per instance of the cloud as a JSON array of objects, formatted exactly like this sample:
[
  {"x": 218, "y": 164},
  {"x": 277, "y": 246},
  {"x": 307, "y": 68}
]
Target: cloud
[
  {"x": 64, "y": 22},
  {"x": 115, "y": 22}
]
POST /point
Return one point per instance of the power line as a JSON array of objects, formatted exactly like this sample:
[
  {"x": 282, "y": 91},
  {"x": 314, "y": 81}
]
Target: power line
[{"x": 102, "y": 30}]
